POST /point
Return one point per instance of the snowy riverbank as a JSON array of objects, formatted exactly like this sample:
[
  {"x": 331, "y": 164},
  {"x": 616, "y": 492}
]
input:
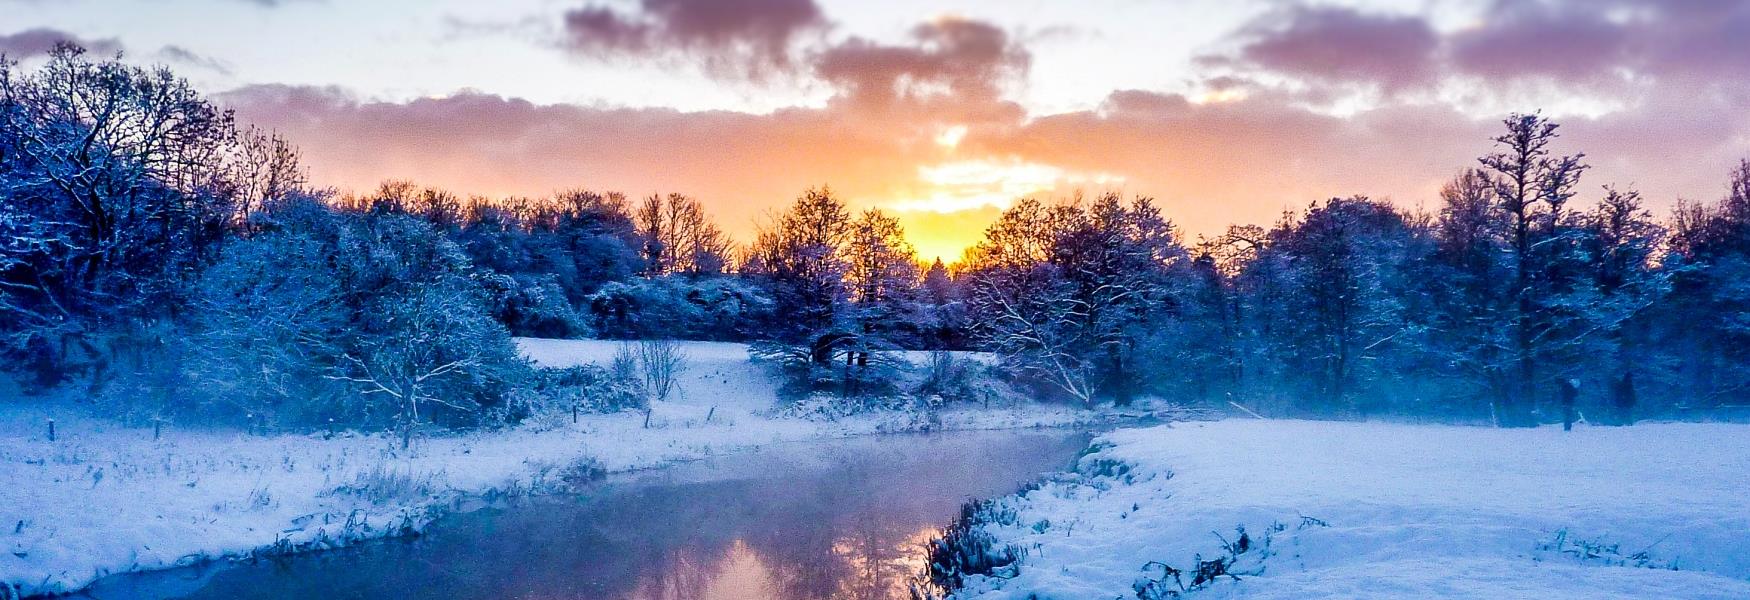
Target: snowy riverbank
[
  {"x": 1360, "y": 510},
  {"x": 102, "y": 498}
]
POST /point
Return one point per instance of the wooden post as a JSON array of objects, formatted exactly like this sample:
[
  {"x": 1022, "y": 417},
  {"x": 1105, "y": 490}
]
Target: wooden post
[
  {"x": 157, "y": 424},
  {"x": 574, "y": 414},
  {"x": 51, "y": 430},
  {"x": 647, "y": 418},
  {"x": 708, "y": 413}
]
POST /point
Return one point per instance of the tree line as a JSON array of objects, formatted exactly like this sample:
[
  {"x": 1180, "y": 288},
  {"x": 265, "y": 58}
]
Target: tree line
[{"x": 168, "y": 259}]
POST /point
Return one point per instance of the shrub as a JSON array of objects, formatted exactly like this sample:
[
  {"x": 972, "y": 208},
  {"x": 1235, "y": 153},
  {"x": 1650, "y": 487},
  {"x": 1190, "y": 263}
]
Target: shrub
[
  {"x": 383, "y": 484},
  {"x": 965, "y": 549}
]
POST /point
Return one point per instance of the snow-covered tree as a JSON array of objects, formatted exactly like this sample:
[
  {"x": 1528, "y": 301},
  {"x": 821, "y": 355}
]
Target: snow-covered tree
[
  {"x": 677, "y": 237},
  {"x": 1063, "y": 292},
  {"x": 1532, "y": 186},
  {"x": 116, "y": 184},
  {"x": 801, "y": 257}
]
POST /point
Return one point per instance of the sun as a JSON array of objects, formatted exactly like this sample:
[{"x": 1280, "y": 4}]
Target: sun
[{"x": 948, "y": 205}]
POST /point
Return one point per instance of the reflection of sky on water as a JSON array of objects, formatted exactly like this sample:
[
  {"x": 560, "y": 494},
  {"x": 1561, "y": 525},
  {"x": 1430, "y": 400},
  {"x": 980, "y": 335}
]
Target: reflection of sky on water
[{"x": 844, "y": 519}]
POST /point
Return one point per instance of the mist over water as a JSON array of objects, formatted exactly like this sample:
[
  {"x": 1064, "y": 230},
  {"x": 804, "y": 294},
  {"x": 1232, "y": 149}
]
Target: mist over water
[{"x": 840, "y": 519}]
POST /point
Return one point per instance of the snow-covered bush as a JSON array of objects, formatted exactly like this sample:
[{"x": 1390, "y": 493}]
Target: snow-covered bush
[
  {"x": 675, "y": 306},
  {"x": 373, "y": 320},
  {"x": 965, "y": 548},
  {"x": 588, "y": 388},
  {"x": 533, "y": 305}
]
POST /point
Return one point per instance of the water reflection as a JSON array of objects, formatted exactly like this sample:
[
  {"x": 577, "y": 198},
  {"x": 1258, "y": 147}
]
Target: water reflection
[{"x": 845, "y": 519}]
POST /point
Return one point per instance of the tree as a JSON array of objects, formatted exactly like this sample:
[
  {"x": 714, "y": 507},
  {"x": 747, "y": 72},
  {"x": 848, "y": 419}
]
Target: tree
[
  {"x": 266, "y": 324},
  {"x": 1532, "y": 186},
  {"x": 1349, "y": 266},
  {"x": 1471, "y": 276},
  {"x": 677, "y": 237},
  {"x": 116, "y": 183},
  {"x": 1065, "y": 293},
  {"x": 801, "y": 257},
  {"x": 1623, "y": 243},
  {"x": 1709, "y": 269},
  {"x": 423, "y": 341},
  {"x": 881, "y": 279},
  {"x": 941, "y": 301}
]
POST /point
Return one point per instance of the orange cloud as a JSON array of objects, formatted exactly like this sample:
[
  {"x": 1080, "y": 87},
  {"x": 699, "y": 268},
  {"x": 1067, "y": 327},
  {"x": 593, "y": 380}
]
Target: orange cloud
[{"x": 924, "y": 127}]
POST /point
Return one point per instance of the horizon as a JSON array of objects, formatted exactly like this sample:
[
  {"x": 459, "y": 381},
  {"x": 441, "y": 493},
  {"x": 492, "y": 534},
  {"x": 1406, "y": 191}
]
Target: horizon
[{"x": 946, "y": 114}]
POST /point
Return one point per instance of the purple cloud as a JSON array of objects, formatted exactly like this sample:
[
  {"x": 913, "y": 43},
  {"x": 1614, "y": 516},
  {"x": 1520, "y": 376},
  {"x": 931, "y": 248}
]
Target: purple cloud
[
  {"x": 1336, "y": 44},
  {"x": 741, "y": 38},
  {"x": 954, "y": 65},
  {"x": 1565, "y": 41},
  {"x": 39, "y": 41}
]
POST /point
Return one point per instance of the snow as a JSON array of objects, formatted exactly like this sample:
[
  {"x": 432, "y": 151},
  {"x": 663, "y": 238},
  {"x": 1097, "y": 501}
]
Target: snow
[
  {"x": 103, "y": 498},
  {"x": 1410, "y": 511},
  {"x": 716, "y": 373}
]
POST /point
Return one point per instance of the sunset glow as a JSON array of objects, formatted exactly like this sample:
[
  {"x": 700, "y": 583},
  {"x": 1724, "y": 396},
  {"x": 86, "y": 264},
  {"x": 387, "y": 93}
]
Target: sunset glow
[{"x": 1242, "y": 108}]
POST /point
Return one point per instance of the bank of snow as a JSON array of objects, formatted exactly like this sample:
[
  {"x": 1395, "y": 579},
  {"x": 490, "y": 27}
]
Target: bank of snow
[
  {"x": 1362, "y": 510},
  {"x": 102, "y": 498}
]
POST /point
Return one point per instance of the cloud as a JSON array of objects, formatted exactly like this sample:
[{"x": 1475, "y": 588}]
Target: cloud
[
  {"x": 742, "y": 164},
  {"x": 1211, "y": 160},
  {"x": 1564, "y": 41},
  {"x": 39, "y": 41},
  {"x": 949, "y": 58},
  {"x": 1338, "y": 44},
  {"x": 1209, "y": 164},
  {"x": 1601, "y": 47},
  {"x": 749, "y": 39},
  {"x": 181, "y": 55}
]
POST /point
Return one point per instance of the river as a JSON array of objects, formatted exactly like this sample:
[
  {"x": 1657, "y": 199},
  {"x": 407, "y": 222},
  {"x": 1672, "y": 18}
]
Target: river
[{"x": 835, "y": 519}]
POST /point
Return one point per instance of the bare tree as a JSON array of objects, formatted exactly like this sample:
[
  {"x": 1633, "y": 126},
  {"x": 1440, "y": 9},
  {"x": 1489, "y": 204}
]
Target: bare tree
[
  {"x": 678, "y": 237},
  {"x": 660, "y": 363}
]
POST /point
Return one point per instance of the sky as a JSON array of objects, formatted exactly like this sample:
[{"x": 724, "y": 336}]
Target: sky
[{"x": 945, "y": 112}]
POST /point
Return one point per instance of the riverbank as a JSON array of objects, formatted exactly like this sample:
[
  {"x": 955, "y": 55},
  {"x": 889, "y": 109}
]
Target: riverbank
[
  {"x": 1289, "y": 509},
  {"x": 102, "y": 498}
]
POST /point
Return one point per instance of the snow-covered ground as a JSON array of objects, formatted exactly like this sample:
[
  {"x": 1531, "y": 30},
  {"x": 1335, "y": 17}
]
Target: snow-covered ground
[
  {"x": 102, "y": 498},
  {"x": 1372, "y": 510}
]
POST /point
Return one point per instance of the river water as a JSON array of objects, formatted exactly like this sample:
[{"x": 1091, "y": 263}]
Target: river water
[{"x": 837, "y": 519}]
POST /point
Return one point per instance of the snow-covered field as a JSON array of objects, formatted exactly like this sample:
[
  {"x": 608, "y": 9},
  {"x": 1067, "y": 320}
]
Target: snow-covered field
[
  {"x": 1392, "y": 511},
  {"x": 103, "y": 498}
]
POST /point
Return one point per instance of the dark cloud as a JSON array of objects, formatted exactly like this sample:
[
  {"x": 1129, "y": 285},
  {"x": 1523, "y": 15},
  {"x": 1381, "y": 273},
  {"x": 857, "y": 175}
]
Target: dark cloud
[
  {"x": 1565, "y": 41},
  {"x": 1606, "y": 47},
  {"x": 39, "y": 41},
  {"x": 739, "y": 38},
  {"x": 954, "y": 68},
  {"x": 1341, "y": 45},
  {"x": 181, "y": 55}
]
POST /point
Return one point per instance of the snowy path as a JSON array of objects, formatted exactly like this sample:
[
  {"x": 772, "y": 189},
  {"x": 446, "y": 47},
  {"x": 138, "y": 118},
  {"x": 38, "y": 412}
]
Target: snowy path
[
  {"x": 1408, "y": 512},
  {"x": 103, "y": 498}
]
